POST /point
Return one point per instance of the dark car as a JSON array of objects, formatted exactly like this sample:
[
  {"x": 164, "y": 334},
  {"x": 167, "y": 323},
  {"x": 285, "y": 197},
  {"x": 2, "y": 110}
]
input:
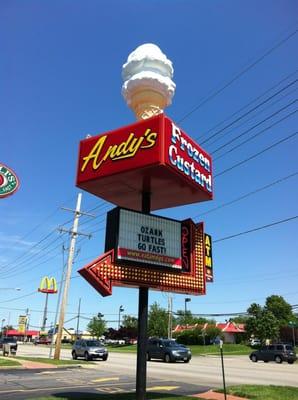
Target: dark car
[
  {"x": 11, "y": 341},
  {"x": 42, "y": 340},
  {"x": 89, "y": 349},
  {"x": 275, "y": 352},
  {"x": 167, "y": 350}
]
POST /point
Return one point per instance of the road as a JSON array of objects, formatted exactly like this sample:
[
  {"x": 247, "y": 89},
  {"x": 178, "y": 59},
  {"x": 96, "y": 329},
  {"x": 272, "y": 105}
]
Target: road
[
  {"x": 117, "y": 375},
  {"x": 202, "y": 370}
]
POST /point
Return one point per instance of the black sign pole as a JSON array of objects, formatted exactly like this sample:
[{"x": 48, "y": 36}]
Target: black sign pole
[{"x": 142, "y": 324}]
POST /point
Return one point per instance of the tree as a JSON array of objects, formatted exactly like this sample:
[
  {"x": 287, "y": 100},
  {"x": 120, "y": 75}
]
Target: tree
[
  {"x": 130, "y": 322},
  {"x": 240, "y": 319},
  {"x": 97, "y": 326},
  {"x": 157, "y": 321},
  {"x": 184, "y": 318},
  {"x": 187, "y": 318},
  {"x": 261, "y": 323},
  {"x": 280, "y": 309},
  {"x": 212, "y": 332}
]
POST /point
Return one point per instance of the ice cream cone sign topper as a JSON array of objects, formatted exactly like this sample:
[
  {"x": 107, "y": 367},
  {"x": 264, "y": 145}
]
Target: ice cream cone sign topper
[{"x": 148, "y": 87}]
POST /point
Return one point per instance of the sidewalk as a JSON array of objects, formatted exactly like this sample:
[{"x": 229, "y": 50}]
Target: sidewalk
[
  {"x": 210, "y": 395},
  {"x": 34, "y": 364}
]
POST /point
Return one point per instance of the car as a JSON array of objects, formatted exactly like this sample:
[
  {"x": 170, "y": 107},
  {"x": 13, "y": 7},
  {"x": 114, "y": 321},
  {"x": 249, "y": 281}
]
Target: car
[
  {"x": 255, "y": 342},
  {"x": 278, "y": 352},
  {"x": 42, "y": 340},
  {"x": 167, "y": 350},
  {"x": 12, "y": 343},
  {"x": 89, "y": 349}
]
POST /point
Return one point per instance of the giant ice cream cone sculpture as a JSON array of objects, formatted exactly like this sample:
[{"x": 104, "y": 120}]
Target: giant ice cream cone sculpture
[{"x": 148, "y": 88}]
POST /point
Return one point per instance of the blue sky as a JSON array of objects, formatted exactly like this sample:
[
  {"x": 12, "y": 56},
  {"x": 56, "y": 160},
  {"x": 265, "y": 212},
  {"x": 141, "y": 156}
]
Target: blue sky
[{"x": 60, "y": 75}]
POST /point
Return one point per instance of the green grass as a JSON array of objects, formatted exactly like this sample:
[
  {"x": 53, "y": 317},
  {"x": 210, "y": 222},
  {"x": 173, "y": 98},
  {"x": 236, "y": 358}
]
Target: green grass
[
  {"x": 261, "y": 392},
  {"x": 4, "y": 362},
  {"x": 122, "y": 348},
  {"x": 52, "y": 361},
  {"x": 228, "y": 349}
]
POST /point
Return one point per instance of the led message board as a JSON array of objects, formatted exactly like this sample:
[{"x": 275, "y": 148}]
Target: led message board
[
  {"x": 144, "y": 239},
  {"x": 152, "y": 155},
  {"x": 107, "y": 270}
]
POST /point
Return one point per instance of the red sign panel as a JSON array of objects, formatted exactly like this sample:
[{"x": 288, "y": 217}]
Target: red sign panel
[
  {"x": 153, "y": 155},
  {"x": 106, "y": 271}
]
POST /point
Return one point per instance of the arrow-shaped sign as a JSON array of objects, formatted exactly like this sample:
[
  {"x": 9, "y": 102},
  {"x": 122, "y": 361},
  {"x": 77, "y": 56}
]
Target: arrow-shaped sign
[{"x": 103, "y": 272}]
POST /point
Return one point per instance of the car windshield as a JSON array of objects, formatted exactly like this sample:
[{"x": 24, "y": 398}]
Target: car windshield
[
  {"x": 171, "y": 343},
  {"x": 93, "y": 343}
]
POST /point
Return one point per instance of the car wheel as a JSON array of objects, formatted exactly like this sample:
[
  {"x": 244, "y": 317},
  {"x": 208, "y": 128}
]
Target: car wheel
[
  {"x": 291, "y": 362},
  {"x": 74, "y": 355},
  {"x": 254, "y": 358},
  {"x": 265, "y": 361},
  {"x": 278, "y": 359},
  {"x": 167, "y": 358},
  {"x": 186, "y": 361},
  {"x": 86, "y": 356},
  {"x": 104, "y": 358},
  {"x": 148, "y": 358}
]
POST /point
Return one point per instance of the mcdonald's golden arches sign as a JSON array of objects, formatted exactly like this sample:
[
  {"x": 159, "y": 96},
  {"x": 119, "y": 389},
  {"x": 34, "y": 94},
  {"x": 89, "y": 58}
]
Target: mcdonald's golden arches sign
[{"x": 48, "y": 285}]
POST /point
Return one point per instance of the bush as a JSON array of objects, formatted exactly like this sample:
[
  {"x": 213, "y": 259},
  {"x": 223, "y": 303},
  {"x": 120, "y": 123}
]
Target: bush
[{"x": 191, "y": 336}]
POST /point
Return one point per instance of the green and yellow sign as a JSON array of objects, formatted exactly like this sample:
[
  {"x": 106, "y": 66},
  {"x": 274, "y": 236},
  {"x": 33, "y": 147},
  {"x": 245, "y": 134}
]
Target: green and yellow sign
[
  {"x": 22, "y": 323},
  {"x": 9, "y": 182}
]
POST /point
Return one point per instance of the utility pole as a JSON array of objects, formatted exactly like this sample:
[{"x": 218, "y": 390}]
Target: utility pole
[
  {"x": 58, "y": 302},
  {"x": 170, "y": 316},
  {"x": 27, "y": 323},
  {"x": 78, "y": 317},
  {"x": 73, "y": 234}
]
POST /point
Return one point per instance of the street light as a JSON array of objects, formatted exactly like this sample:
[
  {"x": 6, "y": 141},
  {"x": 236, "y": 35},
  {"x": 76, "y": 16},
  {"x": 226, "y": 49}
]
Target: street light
[
  {"x": 186, "y": 300},
  {"x": 293, "y": 325},
  {"x": 2, "y": 323},
  {"x": 121, "y": 309}
]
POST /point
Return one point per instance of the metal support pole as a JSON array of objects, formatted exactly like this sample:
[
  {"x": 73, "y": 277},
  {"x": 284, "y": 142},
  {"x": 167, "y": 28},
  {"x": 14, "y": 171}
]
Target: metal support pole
[
  {"x": 68, "y": 275},
  {"x": 223, "y": 371},
  {"x": 44, "y": 320},
  {"x": 78, "y": 320},
  {"x": 141, "y": 377},
  {"x": 293, "y": 331},
  {"x": 170, "y": 316}
]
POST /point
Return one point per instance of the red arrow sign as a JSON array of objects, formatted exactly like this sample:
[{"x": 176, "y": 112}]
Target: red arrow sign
[{"x": 104, "y": 272}]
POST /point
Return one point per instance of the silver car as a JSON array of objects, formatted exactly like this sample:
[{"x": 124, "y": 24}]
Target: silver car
[{"x": 89, "y": 349}]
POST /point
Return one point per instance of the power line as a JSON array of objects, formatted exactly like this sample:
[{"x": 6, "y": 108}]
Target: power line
[
  {"x": 237, "y": 76},
  {"x": 255, "y": 135},
  {"x": 249, "y": 111},
  {"x": 249, "y": 103},
  {"x": 256, "y": 229},
  {"x": 247, "y": 194},
  {"x": 253, "y": 117},
  {"x": 256, "y": 154},
  {"x": 260, "y": 123}
]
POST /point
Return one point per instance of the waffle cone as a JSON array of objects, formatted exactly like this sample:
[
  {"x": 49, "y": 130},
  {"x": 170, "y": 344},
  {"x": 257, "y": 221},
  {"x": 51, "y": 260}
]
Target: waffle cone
[{"x": 147, "y": 103}]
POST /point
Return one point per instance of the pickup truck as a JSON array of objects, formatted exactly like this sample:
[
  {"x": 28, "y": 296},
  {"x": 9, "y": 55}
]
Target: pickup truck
[{"x": 11, "y": 341}]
